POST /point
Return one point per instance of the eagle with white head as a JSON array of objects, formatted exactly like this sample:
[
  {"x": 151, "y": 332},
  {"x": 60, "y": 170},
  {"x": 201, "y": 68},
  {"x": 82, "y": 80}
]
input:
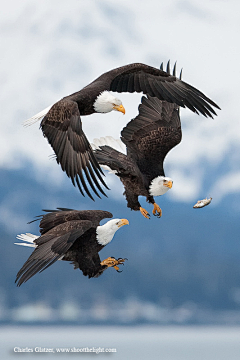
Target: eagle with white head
[
  {"x": 148, "y": 139},
  {"x": 62, "y": 122},
  {"x": 71, "y": 235}
]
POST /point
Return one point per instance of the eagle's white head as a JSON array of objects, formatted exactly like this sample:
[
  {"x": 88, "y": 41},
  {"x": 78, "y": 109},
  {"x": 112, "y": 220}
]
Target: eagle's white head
[
  {"x": 160, "y": 185},
  {"x": 106, "y": 102},
  {"x": 105, "y": 233}
]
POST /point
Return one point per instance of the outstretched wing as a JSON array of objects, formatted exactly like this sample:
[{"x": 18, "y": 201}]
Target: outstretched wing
[
  {"x": 62, "y": 127},
  {"x": 151, "y": 135},
  {"x": 51, "y": 247},
  {"x": 54, "y": 218},
  {"x": 156, "y": 83}
]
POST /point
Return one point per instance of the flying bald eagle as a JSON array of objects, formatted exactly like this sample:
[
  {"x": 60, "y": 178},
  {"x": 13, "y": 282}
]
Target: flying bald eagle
[
  {"x": 62, "y": 124},
  {"x": 148, "y": 139},
  {"x": 70, "y": 235}
]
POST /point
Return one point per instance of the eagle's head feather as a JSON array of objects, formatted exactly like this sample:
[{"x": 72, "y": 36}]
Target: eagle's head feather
[
  {"x": 105, "y": 233},
  {"x": 106, "y": 102},
  {"x": 160, "y": 185}
]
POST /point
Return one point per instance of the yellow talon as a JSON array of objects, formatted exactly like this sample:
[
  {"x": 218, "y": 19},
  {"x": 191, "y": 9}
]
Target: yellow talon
[
  {"x": 112, "y": 262},
  {"x": 109, "y": 262},
  {"x": 157, "y": 211},
  {"x": 145, "y": 213}
]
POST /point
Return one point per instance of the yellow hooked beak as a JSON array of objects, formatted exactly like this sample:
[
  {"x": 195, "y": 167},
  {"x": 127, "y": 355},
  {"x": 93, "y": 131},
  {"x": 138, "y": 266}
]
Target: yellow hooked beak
[
  {"x": 123, "y": 222},
  {"x": 119, "y": 108},
  {"x": 168, "y": 184}
]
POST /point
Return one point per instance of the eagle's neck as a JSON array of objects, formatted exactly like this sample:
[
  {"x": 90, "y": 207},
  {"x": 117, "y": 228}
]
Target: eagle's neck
[{"x": 105, "y": 233}]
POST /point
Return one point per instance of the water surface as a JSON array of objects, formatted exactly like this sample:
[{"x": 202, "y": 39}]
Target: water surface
[{"x": 140, "y": 342}]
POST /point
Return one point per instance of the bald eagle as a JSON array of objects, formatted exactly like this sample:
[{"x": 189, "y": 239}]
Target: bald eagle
[
  {"x": 148, "y": 139},
  {"x": 62, "y": 124},
  {"x": 70, "y": 235}
]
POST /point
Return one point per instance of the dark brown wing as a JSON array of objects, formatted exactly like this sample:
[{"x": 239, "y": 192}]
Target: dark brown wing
[
  {"x": 63, "y": 129},
  {"x": 54, "y": 218},
  {"x": 156, "y": 83},
  {"x": 151, "y": 135},
  {"x": 51, "y": 247},
  {"x": 116, "y": 161}
]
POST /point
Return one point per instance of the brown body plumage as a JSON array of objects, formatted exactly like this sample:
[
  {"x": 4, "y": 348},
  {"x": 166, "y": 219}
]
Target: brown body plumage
[
  {"x": 69, "y": 235},
  {"x": 148, "y": 138},
  {"x": 63, "y": 128}
]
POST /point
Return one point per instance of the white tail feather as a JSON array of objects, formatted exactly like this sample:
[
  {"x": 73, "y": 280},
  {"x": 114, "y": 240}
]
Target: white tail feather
[
  {"x": 25, "y": 244},
  {"x": 29, "y": 238},
  {"x": 36, "y": 117},
  {"x": 116, "y": 144}
]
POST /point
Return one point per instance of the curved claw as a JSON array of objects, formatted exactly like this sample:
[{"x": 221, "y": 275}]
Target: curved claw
[
  {"x": 157, "y": 211},
  {"x": 112, "y": 262},
  {"x": 144, "y": 213},
  {"x": 109, "y": 262},
  {"x": 122, "y": 259}
]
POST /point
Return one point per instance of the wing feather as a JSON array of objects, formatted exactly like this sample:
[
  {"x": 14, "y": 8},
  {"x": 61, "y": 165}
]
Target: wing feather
[
  {"x": 116, "y": 161},
  {"x": 130, "y": 88},
  {"x": 151, "y": 135},
  {"x": 63, "y": 129},
  {"x": 154, "y": 82},
  {"x": 51, "y": 247},
  {"x": 52, "y": 218},
  {"x": 137, "y": 85}
]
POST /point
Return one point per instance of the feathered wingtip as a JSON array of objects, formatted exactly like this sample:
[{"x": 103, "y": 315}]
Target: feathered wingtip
[
  {"x": 39, "y": 116},
  {"x": 174, "y": 73},
  {"x": 174, "y": 69},
  {"x": 29, "y": 238}
]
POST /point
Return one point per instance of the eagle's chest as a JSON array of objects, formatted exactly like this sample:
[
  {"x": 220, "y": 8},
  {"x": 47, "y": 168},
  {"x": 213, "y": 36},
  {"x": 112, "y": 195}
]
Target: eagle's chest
[{"x": 86, "y": 245}]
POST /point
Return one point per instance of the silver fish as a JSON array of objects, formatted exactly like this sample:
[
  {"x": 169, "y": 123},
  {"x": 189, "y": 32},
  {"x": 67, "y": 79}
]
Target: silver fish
[{"x": 202, "y": 203}]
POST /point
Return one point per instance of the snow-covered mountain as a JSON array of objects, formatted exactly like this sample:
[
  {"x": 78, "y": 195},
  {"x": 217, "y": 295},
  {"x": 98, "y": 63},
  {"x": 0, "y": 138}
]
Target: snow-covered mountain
[{"x": 51, "y": 49}]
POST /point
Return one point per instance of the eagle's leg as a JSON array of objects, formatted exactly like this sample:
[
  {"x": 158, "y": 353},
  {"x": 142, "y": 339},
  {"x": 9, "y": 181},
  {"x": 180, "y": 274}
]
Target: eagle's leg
[
  {"x": 112, "y": 262},
  {"x": 144, "y": 213},
  {"x": 133, "y": 203},
  {"x": 157, "y": 211}
]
